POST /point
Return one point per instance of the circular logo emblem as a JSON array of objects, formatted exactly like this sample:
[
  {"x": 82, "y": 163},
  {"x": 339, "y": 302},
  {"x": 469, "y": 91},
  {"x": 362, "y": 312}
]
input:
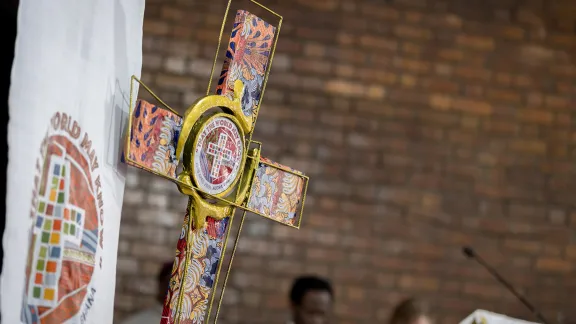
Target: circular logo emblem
[
  {"x": 66, "y": 234},
  {"x": 217, "y": 155}
]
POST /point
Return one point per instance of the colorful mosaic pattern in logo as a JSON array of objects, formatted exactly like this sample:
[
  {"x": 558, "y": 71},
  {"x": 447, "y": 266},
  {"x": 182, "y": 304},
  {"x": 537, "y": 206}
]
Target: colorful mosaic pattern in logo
[
  {"x": 218, "y": 155},
  {"x": 64, "y": 238},
  {"x": 247, "y": 58},
  {"x": 57, "y": 222}
]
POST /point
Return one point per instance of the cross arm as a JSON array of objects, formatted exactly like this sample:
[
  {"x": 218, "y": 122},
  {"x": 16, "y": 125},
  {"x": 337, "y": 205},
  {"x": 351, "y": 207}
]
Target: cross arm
[{"x": 267, "y": 188}]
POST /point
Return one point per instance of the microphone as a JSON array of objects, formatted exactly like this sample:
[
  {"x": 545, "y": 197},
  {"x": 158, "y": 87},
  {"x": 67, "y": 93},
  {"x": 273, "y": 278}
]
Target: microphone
[{"x": 471, "y": 254}]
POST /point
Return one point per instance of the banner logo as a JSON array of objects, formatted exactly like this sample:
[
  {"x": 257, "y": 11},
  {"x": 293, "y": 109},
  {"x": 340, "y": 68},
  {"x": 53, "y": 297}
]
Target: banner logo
[{"x": 66, "y": 236}]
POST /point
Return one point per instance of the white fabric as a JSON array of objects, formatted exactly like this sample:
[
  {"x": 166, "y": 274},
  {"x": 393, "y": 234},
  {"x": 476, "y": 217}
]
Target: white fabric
[
  {"x": 152, "y": 315},
  {"x": 72, "y": 70},
  {"x": 482, "y": 316}
]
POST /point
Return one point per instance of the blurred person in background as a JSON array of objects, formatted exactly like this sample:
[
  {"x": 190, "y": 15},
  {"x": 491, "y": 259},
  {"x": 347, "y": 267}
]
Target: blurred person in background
[
  {"x": 153, "y": 314},
  {"x": 311, "y": 300},
  {"x": 411, "y": 311}
]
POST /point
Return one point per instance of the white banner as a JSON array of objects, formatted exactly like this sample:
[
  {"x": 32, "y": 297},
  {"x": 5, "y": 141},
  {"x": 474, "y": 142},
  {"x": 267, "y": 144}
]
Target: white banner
[
  {"x": 68, "y": 108},
  {"x": 485, "y": 317}
]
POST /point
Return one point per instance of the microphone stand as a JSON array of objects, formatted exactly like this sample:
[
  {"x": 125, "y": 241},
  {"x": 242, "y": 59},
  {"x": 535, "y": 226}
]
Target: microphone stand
[{"x": 471, "y": 254}]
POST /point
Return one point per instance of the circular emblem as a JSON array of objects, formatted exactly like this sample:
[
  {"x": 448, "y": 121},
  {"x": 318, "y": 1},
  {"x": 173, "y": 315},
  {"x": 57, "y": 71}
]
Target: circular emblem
[{"x": 218, "y": 154}]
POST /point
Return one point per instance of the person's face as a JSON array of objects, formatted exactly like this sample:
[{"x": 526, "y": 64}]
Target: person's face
[{"x": 316, "y": 308}]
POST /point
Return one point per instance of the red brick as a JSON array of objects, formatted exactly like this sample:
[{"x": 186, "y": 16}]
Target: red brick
[
  {"x": 377, "y": 76},
  {"x": 512, "y": 32},
  {"x": 408, "y": 81},
  {"x": 323, "y": 5},
  {"x": 443, "y": 85},
  {"x": 528, "y": 146},
  {"x": 524, "y": 246},
  {"x": 152, "y": 27},
  {"x": 175, "y": 82},
  {"x": 291, "y": 46},
  {"x": 316, "y": 50},
  {"x": 451, "y": 54},
  {"x": 441, "y": 102},
  {"x": 212, "y": 19},
  {"x": 503, "y": 78},
  {"x": 206, "y": 35},
  {"x": 373, "y": 42},
  {"x": 504, "y": 96},
  {"x": 350, "y": 55},
  {"x": 563, "y": 71},
  {"x": 344, "y": 88},
  {"x": 376, "y": 92},
  {"x": 476, "y": 42},
  {"x": 563, "y": 119},
  {"x": 413, "y": 3},
  {"x": 354, "y": 24},
  {"x": 556, "y": 102},
  {"x": 571, "y": 252},
  {"x": 554, "y": 265},
  {"x": 412, "y": 48},
  {"x": 473, "y": 73},
  {"x": 500, "y": 127},
  {"x": 523, "y": 81},
  {"x": 325, "y": 255},
  {"x": 472, "y": 106},
  {"x": 566, "y": 40},
  {"x": 307, "y": 66},
  {"x": 284, "y": 267},
  {"x": 346, "y": 38},
  {"x": 411, "y": 32},
  {"x": 385, "y": 280},
  {"x": 539, "y": 116},
  {"x": 153, "y": 61},
  {"x": 565, "y": 88},
  {"x": 483, "y": 290},
  {"x": 418, "y": 282},
  {"x": 382, "y": 12},
  {"x": 414, "y": 66},
  {"x": 173, "y": 14},
  {"x": 345, "y": 70}
]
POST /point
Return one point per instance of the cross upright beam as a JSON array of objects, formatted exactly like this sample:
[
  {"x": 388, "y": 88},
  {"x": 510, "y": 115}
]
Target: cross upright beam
[{"x": 220, "y": 162}]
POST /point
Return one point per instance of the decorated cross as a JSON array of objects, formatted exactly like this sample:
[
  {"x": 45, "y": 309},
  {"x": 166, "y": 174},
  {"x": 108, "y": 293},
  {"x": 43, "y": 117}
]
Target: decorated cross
[{"x": 221, "y": 166}]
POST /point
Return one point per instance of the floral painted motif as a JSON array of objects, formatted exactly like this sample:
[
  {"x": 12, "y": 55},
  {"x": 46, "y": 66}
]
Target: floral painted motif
[
  {"x": 247, "y": 58},
  {"x": 276, "y": 193},
  {"x": 194, "y": 280},
  {"x": 153, "y": 136}
]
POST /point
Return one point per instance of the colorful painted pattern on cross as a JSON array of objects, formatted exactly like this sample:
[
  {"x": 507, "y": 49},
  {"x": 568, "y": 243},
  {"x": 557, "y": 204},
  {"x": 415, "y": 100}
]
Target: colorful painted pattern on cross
[
  {"x": 199, "y": 251},
  {"x": 206, "y": 246},
  {"x": 152, "y": 137},
  {"x": 57, "y": 222},
  {"x": 247, "y": 59},
  {"x": 276, "y": 193}
]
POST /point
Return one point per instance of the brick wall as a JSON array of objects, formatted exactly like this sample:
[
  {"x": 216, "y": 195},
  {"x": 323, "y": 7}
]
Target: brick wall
[{"x": 424, "y": 126}]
